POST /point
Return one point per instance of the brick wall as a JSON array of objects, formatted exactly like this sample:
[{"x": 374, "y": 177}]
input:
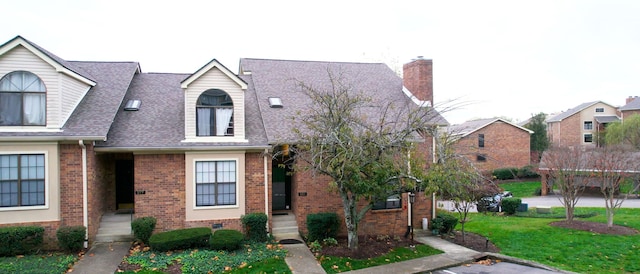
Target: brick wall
[
  {"x": 162, "y": 178},
  {"x": 70, "y": 184},
  {"x": 567, "y": 132},
  {"x": 254, "y": 181},
  {"x": 504, "y": 146},
  {"x": 321, "y": 198}
]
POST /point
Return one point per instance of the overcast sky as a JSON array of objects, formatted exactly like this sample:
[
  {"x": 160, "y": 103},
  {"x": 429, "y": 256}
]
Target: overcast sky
[{"x": 499, "y": 58}]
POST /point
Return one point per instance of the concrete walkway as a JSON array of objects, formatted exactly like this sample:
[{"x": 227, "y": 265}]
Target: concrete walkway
[{"x": 102, "y": 258}]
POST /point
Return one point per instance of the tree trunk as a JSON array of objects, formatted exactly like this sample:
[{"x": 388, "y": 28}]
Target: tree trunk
[{"x": 351, "y": 221}]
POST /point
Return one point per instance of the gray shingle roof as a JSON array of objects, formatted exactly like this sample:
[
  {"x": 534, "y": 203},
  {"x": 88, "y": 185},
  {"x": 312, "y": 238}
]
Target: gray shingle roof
[
  {"x": 633, "y": 105},
  {"x": 277, "y": 78},
  {"x": 159, "y": 123},
  {"x": 93, "y": 116},
  {"x": 469, "y": 127},
  {"x": 571, "y": 112}
]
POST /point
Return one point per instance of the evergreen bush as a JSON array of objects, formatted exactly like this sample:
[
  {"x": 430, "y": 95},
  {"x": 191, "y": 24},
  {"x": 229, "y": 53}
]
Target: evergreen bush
[
  {"x": 20, "y": 240},
  {"x": 226, "y": 239},
  {"x": 143, "y": 228},
  {"x": 71, "y": 238},
  {"x": 322, "y": 226},
  {"x": 180, "y": 239},
  {"x": 510, "y": 205},
  {"x": 255, "y": 225}
]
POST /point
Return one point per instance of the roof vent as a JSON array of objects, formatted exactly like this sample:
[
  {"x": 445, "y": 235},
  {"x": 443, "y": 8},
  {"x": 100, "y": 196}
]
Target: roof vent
[
  {"x": 132, "y": 105},
  {"x": 275, "y": 102}
]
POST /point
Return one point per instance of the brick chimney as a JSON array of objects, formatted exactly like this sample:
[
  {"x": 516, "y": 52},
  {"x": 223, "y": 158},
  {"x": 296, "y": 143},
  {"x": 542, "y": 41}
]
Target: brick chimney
[
  {"x": 630, "y": 98},
  {"x": 417, "y": 77}
]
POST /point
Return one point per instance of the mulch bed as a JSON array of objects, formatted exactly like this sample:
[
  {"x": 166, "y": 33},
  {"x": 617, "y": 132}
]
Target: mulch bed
[
  {"x": 368, "y": 247},
  {"x": 472, "y": 241}
]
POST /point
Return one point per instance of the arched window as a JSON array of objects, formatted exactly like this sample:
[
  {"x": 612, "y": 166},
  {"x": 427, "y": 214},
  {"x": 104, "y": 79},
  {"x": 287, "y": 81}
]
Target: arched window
[
  {"x": 214, "y": 114},
  {"x": 22, "y": 100}
]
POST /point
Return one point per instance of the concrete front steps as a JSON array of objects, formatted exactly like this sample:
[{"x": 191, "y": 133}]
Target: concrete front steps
[
  {"x": 115, "y": 228},
  {"x": 285, "y": 227}
]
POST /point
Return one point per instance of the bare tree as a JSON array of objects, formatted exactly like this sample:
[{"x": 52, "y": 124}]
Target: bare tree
[
  {"x": 361, "y": 143},
  {"x": 565, "y": 169},
  {"x": 609, "y": 167},
  {"x": 456, "y": 179}
]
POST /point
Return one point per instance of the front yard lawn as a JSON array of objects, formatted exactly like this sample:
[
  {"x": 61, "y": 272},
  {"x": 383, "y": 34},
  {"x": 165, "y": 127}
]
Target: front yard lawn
[
  {"x": 579, "y": 251},
  {"x": 36, "y": 264},
  {"x": 521, "y": 189}
]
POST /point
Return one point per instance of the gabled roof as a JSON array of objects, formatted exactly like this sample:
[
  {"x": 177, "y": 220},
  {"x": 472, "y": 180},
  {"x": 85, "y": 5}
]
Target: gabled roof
[
  {"x": 209, "y": 66},
  {"x": 470, "y": 127},
  {"x": 159, "y": 123},
  {"x": 573, "y": 111},
  {"x": 60, "y": 64},
  {"x": 633, "y": 105},
  {"x": 279, "y": 78}
]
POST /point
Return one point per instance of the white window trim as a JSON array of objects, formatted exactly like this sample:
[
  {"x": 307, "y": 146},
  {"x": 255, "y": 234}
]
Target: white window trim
[
  {"x": 46, "y": 182},
  {"x": 194, "y": 206}
]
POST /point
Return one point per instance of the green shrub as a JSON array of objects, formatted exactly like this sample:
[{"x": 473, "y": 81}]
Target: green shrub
[
  {"x": 19, "y": 240},
  {"x": 527, "y": 172},
  {"x": 510, "y": 205},
  {"x": 143, "y": 228},
  {"x": 322, "y": 226},
  {"x": 180, "y": 239},
  {"x": 538, "y": 191},
  {"x": 71, "y": 238},
  {"x": 505, "y": 173},
  {"x": 226, "y": 239},
  {"x": 255, "y": 225},
  {"x": 444, "y": 223}
]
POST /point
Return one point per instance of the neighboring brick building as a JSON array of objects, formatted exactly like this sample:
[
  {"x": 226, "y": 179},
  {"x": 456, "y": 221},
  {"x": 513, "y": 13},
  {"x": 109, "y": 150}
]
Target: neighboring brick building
[
  {"x": 188, "y": 149},
  {"x": 581, "y": 125},
  {"x": 631, "y": 107},
  {"x": 492, "y": 143}
]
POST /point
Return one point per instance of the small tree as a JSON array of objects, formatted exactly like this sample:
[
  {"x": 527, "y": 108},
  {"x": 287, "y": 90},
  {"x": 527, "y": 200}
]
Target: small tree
[
  {"x": 565, "y": 169},
  {"x": 458, "y": 180},
  {"x": 539, "y": 140},
  {"x": 626, "y": 132},
  {"x": 360, "y": 143},
  {"x": 610, "y": 167}
]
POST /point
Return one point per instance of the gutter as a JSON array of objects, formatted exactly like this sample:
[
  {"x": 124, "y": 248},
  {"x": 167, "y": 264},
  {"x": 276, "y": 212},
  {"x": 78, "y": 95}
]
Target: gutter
[
  {"x": 85, "y": 199},
  {"x": 51, "y": 138},
  {"x": 179, "y": 148},
  {"x": 266, "y": 186}
]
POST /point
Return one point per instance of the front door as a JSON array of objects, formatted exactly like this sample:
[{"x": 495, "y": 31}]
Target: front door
[
  {"x": 279, "y": 188},
  {"x": 124, "y": 184}
]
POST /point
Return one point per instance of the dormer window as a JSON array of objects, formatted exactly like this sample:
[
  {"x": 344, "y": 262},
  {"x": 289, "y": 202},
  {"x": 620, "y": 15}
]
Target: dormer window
[
  {"x": 214, "y": 114},
  {"x": 22, "y": 100}
]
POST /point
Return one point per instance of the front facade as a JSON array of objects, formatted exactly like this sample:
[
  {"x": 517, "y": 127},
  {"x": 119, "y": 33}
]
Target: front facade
[
  {"x": 82, "y": 139},
  {"x": 492, "y": 143},
  {"x": 582, "y": 125}
]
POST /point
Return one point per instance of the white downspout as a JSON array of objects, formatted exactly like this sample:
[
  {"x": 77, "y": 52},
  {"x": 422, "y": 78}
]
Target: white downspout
[
  {"x": 434, "y": 160},
  {"x": 266, "y": 186},
  {"x": 85, "y": 199}
]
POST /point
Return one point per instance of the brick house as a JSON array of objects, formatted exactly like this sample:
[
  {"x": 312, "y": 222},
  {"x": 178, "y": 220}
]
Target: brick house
[
  {"x": 581, "y": 125},
  {"x": 492, "y": 143},
  {"x": 79, "y": 140},
  {"x": 631, "y": 107}
]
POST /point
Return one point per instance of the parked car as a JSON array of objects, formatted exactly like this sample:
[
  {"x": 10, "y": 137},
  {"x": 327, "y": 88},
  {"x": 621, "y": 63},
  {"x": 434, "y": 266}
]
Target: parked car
[{"x": 492, "y": 203}]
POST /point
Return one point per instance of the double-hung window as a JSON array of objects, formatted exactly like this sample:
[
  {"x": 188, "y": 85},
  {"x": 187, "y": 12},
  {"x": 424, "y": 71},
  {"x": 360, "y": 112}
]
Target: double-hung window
[
  {"x": 216, "y": 183},
  {"x": 588, "y": 125},
  {"x": 22, "y": 100},
  {"x": 214, "y": 114},
  {"x": 22, "y": 180}
]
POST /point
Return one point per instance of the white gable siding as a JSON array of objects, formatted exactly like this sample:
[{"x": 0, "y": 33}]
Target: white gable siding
[
  {"x": 63, "y": 92},
  {"x": 214, "y": 79}
]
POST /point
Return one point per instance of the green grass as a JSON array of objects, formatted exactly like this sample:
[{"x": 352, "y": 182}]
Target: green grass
[
  {"x": 252, "y": 258},
  {"x": 573, "y": 250},
  {"x": 521, "y": 189},
  {"x": 47, "y": 263},
  {"x": 341, "y": 264}
]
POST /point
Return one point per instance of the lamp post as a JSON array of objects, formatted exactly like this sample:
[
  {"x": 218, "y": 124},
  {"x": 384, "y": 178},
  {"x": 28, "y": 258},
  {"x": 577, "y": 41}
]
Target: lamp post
[{"x": 412, "y": 199}]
